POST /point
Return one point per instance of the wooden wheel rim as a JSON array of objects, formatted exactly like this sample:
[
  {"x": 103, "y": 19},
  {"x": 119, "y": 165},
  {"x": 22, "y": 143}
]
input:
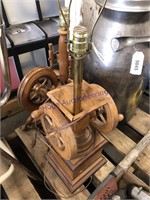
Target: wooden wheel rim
[
  {"x": 109, "y": 110},
  {"x": 63, "y": 141},
  {"x": 29, "y": 81}
]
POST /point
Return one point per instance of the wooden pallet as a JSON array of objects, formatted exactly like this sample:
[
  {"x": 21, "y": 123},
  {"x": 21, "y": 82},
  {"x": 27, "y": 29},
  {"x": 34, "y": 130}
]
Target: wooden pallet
[{"x": 117, "y": 139}]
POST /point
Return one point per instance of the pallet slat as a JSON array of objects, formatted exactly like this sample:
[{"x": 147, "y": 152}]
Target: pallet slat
[
  {"x": 140, "y": 122},
  {"x": 103, "y": 172},
  {"x": 125, "y": 144}
]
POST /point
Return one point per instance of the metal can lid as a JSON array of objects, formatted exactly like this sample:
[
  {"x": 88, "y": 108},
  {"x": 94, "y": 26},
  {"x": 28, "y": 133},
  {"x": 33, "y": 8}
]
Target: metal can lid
[{"x": 126, "y": 5}]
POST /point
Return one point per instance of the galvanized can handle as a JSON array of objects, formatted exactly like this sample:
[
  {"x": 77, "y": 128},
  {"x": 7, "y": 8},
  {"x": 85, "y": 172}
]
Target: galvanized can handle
[{"x": 123, "y": 42}]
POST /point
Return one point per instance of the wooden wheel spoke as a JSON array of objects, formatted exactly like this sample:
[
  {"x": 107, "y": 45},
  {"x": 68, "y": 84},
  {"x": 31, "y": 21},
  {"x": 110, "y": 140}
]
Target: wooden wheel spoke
[
  {"x": 45, "y": 80},
  {"x": 46, "y": 84},
  {"x": 101, "y": 109},
  {"x": 36, "y": 97},
  {"x": 33, "y": 96},
  {"x": 102, "y": 118},
  {"x": 107, "y": 114},
  {"x": 38, "y": 100},
  {"x": 34, "y": 88},
  {"x": 43, "y": 92},
  {"x": 48, "y": 87}
]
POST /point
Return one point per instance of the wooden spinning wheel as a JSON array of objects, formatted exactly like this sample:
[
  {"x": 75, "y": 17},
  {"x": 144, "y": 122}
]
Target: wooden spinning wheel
[
  {"x": 62, "y": 139},
  {"x": 34, "y": 86}
]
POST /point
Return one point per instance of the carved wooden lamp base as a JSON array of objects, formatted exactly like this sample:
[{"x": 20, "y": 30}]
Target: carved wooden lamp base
[{"x": 76, "y": 153}]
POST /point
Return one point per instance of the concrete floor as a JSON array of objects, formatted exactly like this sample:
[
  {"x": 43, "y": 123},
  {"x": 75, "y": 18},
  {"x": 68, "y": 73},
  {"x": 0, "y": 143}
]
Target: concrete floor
[{"x": 9, "y": 124}]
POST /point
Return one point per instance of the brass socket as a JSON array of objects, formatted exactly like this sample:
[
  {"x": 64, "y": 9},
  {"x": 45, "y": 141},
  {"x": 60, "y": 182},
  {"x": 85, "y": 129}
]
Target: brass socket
[
  {"x": 80, "y": 41},
  {"x": 62, "y": 23}
]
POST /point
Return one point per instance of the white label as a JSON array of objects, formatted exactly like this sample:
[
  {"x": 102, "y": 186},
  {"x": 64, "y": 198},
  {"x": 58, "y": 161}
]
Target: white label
[{"x": 137, "y": 63}]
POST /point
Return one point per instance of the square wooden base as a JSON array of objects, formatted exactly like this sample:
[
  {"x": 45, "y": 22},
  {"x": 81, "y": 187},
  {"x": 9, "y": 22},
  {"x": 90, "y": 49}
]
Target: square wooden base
[{"x": 75, "y": 172}]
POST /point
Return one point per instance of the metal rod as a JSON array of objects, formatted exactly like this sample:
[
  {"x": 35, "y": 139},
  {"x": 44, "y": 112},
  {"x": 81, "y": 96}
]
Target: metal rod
[{"x": 4, "y": 63}]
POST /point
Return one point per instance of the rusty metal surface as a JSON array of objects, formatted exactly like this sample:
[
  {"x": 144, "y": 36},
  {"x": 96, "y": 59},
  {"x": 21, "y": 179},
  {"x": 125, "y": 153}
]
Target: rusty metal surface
[{"x": 105, "y": 190}]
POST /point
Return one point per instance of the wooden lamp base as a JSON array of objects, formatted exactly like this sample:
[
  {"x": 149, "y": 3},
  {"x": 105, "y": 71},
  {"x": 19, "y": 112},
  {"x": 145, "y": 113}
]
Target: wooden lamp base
[{"x": 75, "y": 172}]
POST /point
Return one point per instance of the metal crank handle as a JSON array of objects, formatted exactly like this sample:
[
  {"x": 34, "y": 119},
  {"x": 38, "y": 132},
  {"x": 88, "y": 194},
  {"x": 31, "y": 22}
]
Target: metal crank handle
[{"x": 123, "y": 42}]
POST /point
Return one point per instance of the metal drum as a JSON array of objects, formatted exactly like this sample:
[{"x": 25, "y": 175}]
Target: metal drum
[{"x": 120, "y": 50}]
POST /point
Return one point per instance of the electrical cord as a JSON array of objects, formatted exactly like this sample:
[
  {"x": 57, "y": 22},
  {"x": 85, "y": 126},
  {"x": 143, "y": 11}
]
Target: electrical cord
[
  {"x": 97, "y": 19},
  {"x": 59, "y": 5}
]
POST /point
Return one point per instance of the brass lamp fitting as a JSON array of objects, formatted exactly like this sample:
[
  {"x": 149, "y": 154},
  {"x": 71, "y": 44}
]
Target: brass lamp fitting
[
  {"x": 65, "y": 15},
  {"x": 80, "y": 43}
]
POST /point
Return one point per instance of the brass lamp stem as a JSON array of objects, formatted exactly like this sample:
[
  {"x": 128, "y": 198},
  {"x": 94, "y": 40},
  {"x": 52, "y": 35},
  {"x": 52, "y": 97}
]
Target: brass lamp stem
[
  {"x": 79, "y": 50},
  {"x": 78, "y": 76}
]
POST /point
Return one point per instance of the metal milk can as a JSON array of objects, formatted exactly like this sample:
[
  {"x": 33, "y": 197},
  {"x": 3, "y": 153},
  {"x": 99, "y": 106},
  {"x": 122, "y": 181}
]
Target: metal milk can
[{"x": 120, "y": 50}]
